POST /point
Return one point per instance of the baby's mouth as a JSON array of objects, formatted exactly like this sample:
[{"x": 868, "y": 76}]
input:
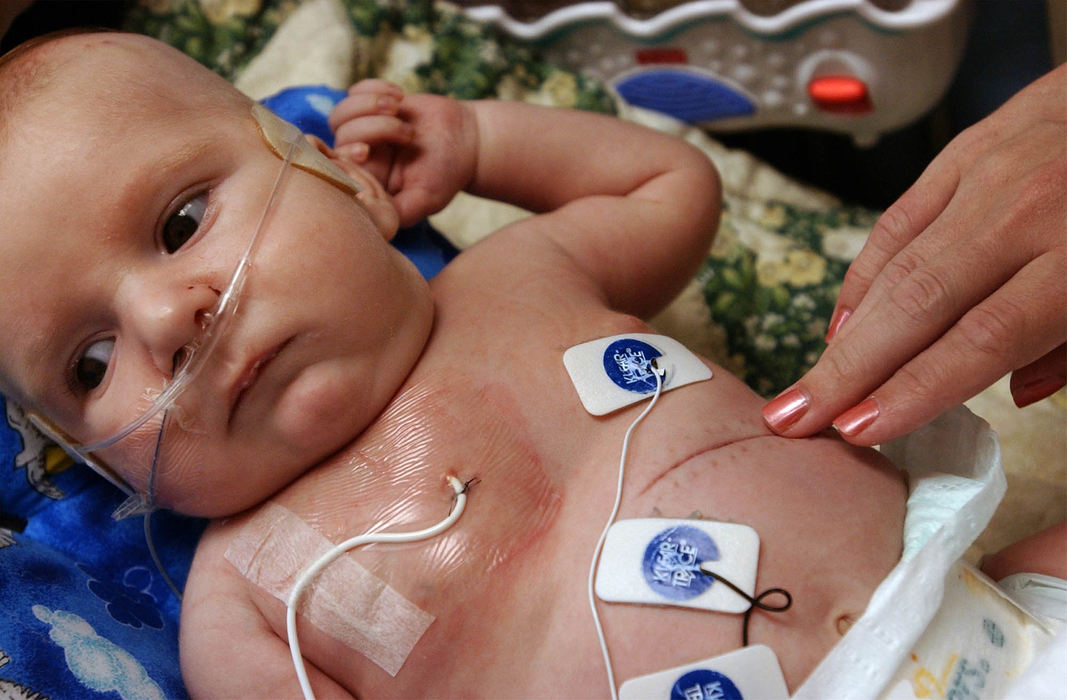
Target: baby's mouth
[{"x": 253, "y": 370}]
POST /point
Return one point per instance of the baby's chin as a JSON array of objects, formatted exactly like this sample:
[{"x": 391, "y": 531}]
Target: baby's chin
[{"x": 211, "y": 481}]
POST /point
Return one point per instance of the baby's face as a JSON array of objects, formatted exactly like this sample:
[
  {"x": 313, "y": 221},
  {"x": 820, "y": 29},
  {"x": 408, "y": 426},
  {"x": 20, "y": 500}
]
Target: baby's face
[{"x": 129, "y": 196}]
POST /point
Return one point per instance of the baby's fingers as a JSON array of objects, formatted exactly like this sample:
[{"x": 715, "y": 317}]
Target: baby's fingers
[
  {"x": 373, "y": 130},
  {"x": 364, "y": 104},
  {"x": 376, "y": 85},
  {"x": 370, "y": 115}
]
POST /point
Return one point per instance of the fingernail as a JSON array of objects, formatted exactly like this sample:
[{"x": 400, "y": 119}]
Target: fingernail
[
  {"x": 857, "y": 419},
  {"x": 786, "y": 409},
  {"x": 356, "y": 152},
  {"x": 840, "y": 316},
  {"x": 387, "y": 103},
  {"x": 1033, "y": 391}
]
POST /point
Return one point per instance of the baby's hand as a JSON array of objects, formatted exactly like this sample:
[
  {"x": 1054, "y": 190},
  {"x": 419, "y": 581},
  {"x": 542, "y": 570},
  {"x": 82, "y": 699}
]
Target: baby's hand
[
  {"x": 368, "y": 120},
  {"x": 422, "y": 148}
]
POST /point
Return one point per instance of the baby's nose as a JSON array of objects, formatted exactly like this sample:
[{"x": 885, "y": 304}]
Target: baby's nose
[{"x": 168, "y": 321}]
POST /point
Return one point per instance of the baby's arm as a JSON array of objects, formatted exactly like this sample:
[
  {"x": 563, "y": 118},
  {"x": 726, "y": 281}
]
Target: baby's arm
[
  {"x": 634, "y": 209},
  {"x": 1044, "y": 552},
  {"x": 228, "y": 649}
]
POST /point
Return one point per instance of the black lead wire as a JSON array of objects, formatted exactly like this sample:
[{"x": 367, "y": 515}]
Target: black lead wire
[{"x": 756, "y": 602}]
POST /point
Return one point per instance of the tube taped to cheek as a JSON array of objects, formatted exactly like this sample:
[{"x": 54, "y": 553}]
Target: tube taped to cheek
[
  {"x": 280, "y": 135},
  {"x": 346, "y": 601}
]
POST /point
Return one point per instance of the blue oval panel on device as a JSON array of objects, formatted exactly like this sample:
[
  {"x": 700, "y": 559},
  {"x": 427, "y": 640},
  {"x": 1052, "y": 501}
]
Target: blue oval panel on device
[{"x": 688, "y": 96}]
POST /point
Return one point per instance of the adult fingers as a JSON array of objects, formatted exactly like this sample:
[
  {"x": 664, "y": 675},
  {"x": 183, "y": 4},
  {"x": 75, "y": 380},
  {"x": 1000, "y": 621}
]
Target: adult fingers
[
  {"x": 996, "y": 144},
  {"x": 1022, "y": 322},
  {"x": 895, "y": 229},
  {"x": 1002, "y": 218},
  {"x": 907, "y": 320},
  {"x": 1003, "y": 207},
  {"x": 1039, "y": 379}
]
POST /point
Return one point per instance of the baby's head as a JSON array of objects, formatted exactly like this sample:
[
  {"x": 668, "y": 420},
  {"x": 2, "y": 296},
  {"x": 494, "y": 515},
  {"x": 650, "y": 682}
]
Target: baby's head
[{"x": 131, "y": 182}]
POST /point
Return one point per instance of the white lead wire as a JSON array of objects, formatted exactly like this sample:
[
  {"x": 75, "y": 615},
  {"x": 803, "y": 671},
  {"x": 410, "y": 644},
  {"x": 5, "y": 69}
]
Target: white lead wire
[
  {"x": 369, "y": 538},
  {"x": 611, "y": 520}
]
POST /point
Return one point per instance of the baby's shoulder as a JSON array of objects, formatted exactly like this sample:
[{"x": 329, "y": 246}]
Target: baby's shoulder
[{"x": 521, "y": 251}]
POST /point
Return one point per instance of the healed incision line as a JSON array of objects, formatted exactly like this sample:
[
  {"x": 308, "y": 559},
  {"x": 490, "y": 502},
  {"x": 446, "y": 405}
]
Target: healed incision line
[{"x": 698, "y": 453}]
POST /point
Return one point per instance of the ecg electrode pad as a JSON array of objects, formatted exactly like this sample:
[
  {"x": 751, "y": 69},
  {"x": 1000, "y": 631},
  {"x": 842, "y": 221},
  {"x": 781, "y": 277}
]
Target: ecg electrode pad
[
  {"x": 752, "y": 672},
  {"x": 614, "y": 372},
  {"x": 658, "y": 561}
]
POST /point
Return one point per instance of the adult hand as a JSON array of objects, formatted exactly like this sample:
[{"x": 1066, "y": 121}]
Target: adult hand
[
  {"x": 961, "y": 281},
  {"x": 9, "y": 10}
]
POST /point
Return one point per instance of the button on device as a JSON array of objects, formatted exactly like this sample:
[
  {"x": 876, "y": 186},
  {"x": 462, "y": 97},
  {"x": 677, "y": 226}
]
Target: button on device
[
  {"x": 840, "y": 94},
  {"x": 689, "y": 96}
]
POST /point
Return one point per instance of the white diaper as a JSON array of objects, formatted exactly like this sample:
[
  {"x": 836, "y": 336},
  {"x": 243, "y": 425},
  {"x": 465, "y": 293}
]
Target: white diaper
[
  {"x": 956, "y": 481},
  {"x": 978, "y": 645}
]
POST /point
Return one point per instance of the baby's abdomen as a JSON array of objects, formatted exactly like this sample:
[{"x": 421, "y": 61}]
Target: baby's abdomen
[{"x": 829, "y": 518}]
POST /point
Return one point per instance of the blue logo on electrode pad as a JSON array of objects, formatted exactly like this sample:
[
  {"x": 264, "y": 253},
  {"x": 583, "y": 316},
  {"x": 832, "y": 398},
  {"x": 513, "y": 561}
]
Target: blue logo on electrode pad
[
  {"x": 703, "y": 684},
  {"x": 628, "y": 363},
  {"x": 672, "y": 562}
]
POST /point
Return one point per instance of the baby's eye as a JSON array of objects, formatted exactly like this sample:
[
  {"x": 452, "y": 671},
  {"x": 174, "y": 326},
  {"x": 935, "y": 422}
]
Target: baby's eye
[
  {"x": 180, "y": 226},
  {"x": 90, "y": 368}
]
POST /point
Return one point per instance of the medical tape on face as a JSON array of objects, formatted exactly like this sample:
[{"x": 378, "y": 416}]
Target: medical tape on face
[
  {"x": 280, "y": 135},
  {"x": 345, "y": 601}
]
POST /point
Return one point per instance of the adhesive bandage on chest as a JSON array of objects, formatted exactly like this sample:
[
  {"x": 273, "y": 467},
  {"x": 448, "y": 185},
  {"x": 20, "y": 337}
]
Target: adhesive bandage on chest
[
  {"x": 346, "y": 602},
  {"x": 282, "y": 554}
]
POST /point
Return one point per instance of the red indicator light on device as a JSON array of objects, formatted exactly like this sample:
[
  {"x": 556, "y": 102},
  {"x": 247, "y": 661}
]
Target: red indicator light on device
[
  {"x": 655, "y": 56},
  {"x": 842, "y": 94}
]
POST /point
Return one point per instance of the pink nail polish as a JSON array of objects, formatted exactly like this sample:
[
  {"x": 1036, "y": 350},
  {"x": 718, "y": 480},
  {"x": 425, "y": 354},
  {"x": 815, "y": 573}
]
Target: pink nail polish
[
  {"x": 786, "y": 409},
  {"x": 858, "y": 418},
  {"x": 840, "y": 316}
]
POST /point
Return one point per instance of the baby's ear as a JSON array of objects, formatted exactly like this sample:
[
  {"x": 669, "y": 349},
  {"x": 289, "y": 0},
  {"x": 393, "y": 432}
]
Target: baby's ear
[{"x": 368, "y": 191}]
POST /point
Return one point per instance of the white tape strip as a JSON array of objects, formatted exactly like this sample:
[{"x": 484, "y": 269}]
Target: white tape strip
[{"x": 345, "y": 601}]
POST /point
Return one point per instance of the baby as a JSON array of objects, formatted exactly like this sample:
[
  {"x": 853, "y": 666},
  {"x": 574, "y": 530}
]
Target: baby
[{"x": 346, "y": 388}]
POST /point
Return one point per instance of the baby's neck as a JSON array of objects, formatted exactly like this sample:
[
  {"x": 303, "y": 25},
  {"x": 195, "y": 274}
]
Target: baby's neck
[{"x": 393, "y": 477}]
